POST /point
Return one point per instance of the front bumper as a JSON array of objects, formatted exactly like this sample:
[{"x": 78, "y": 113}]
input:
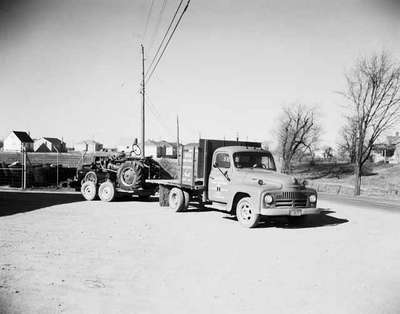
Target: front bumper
[{"x": 288, "y": 211}]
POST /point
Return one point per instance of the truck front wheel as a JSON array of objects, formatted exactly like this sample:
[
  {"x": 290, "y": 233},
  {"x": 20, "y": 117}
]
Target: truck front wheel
[{"x": 246, "y": 213}]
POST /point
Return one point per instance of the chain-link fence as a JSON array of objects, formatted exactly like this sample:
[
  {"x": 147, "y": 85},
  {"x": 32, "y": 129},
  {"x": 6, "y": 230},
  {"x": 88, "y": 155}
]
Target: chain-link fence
[{"x": 25, "y": 170}]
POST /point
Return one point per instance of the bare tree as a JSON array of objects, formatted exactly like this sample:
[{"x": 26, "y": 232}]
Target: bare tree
[
  {"x": 298, "y": 131},
  {"x": 348, "y": 139},
  {"x": 373, "y": 90}
]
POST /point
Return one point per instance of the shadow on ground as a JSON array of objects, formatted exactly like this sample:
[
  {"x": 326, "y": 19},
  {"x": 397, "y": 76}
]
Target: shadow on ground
[
  {"x": 310, "y": 221},
  {"x": 18, "y": 202}
]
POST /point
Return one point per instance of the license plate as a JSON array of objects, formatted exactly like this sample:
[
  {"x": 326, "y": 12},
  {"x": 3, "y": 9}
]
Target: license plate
[{"x": 295, "y": 212}]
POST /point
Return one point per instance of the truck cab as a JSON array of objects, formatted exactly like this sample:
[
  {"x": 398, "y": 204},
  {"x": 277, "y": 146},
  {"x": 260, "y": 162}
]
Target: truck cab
[{"x": 244, "y": 180}]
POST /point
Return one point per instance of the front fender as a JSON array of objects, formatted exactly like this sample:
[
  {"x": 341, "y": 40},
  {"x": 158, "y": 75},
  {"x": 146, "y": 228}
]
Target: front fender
[{"x": 254, "y": 192}]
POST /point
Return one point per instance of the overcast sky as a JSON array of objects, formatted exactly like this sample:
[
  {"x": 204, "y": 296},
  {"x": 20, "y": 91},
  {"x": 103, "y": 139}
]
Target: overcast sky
[{"x": 72, "y": 68}]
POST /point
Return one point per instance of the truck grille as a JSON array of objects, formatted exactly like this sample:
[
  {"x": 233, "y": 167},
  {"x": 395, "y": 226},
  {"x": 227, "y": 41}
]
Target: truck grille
[{"x": 291, "y": 199}]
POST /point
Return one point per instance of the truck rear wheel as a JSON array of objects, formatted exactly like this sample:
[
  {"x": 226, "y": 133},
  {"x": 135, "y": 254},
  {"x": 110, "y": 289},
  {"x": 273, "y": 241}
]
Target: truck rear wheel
[
  {"x": 176, "y": 200},
  {"x": 88, "y": 190},
  {"x": 107, "y": 191},
  {"x": 186, "y": 198},
  {"x": 246, "y": 213}
]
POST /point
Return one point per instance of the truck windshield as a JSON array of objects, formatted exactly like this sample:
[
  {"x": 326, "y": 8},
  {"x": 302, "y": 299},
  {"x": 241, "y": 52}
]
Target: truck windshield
[{"x": 254, "y": 160}]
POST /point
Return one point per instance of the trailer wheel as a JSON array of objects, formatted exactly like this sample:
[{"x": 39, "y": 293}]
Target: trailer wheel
[
  {"x": 246, "y": 214},
  {"x": 107, "y": 191},
  {"x": 176, "y": 200},
  {"x": 88, "y": 190}
]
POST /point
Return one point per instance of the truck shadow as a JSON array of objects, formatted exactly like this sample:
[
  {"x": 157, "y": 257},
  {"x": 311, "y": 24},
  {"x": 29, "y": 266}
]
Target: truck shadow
[
  {"x": 312, "y": 221},
  {"x": 19, "y": 202}
]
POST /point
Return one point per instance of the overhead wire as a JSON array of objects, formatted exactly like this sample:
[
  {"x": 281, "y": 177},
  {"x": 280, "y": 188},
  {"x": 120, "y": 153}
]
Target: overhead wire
[
  {"x": 165, "y": 35},
  {"x": 157, "y": 115},
  {"x": 153, "y": 37},
  {"x": 167, "y": 43},
  {"x": 147, "y": 20}
]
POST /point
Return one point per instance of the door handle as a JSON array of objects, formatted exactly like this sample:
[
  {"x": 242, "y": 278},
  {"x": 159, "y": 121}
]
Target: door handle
[{"x": 212, "y": 178}]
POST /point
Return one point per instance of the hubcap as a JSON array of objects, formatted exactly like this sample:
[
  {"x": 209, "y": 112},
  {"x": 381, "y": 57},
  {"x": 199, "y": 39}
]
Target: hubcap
[
  {"x": 245, "y": 212},
  {"x": 128, "y": 176},
  {"x": 91, "y": 177},
  {"x": 88, "y": 190},
  {"x": 107, "y": 192}
]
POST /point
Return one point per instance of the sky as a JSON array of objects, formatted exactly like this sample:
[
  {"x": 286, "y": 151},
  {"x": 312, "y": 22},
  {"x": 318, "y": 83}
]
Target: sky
[{"x": 72, "y": 69}]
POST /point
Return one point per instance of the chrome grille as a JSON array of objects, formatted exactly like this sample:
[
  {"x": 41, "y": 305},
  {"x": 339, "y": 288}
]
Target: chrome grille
[{"x": 290, "y": 199}]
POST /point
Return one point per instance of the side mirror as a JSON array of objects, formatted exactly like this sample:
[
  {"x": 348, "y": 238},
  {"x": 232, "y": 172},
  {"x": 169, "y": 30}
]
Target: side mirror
[{"x": 215, "y": 165}]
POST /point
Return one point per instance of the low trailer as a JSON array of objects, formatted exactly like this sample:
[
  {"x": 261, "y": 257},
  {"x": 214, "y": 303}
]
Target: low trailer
[
  {"x": 238, "y": 177},
  {"x": 110, "y": 177}
]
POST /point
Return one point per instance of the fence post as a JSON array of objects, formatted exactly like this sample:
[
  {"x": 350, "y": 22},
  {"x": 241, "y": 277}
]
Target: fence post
[{"x": 24, "y": 167}]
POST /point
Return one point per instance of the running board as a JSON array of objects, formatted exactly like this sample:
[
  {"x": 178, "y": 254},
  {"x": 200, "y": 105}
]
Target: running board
[{"x": 217, "y": 206}]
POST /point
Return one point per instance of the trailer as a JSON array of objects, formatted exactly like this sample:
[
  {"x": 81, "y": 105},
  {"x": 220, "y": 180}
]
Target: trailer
[
  {"x": 110, "y": 177},
  {"x": 236, "y": 176}
]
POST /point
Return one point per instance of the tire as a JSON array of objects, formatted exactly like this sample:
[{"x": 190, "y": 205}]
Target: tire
[
  {"x": 90, "y": 176},
  {"x": 107, "y": 191},
  {"x": 88, "y": 190},
  {"x": 176, "y": 200},
  {"x": 246, "y": 214},
  {"x": 130, "y": 176},
  {"x": 186, "y": 198}
]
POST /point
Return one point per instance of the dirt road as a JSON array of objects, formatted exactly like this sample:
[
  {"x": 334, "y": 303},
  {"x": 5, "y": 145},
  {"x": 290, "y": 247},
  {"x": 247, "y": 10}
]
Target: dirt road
[{"x": 59, "y": 254}]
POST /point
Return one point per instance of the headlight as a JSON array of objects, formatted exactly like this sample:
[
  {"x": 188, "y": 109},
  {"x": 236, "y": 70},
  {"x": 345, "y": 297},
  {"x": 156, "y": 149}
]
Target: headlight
[
  {"x": 312, "y": 198},
  {"x": 268, "y": 199}
]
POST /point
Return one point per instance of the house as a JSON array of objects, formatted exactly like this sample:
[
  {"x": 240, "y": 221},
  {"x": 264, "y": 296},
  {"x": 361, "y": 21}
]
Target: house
[
  {"x": 49, "y": 144},
  {"x": 389, "y": 151},
  {"x": 16, "y": 141},
  {"x": 170, "y": 149},
  {"x": 89, "y": 146},
  {"x": 154, "y": 148}
]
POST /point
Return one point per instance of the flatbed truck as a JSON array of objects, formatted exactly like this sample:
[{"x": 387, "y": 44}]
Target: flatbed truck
[{"x": 238, "y": 177}]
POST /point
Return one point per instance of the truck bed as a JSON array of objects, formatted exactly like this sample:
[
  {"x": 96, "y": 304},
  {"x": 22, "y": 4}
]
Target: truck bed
[{"x": 199, "y": 183}]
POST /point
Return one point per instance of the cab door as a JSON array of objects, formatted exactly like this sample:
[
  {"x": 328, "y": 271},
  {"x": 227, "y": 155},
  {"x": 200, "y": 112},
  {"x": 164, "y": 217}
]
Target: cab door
[{"x": 219, "y": 178}]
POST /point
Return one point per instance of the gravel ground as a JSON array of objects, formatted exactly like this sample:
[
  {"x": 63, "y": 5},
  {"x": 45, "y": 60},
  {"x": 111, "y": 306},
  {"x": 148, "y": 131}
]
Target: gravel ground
[{"x": 61, "y": 254}]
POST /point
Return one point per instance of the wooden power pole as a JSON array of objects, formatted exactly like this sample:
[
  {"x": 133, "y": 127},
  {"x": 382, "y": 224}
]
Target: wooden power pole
[{"x": 143, "y": 104}]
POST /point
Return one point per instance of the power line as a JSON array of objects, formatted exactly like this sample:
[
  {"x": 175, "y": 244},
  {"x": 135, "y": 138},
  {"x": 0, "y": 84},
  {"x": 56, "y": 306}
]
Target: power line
[
  {"x": 157, "y": 115},
  {"x": 165, "y": 35},
  {"x": 153, "y": 37},
  {"x": 148, "y": 19},
  {"x": 169, "y": 39}
]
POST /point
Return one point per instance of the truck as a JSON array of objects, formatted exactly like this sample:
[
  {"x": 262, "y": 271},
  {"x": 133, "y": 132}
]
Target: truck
[{"x": 238, "y": 177}]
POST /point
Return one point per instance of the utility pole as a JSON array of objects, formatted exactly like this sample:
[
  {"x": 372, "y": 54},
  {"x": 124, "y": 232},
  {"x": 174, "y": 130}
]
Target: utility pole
[
  {"x": 143, "y": 103},
  {"x": 177, "y": 138}
]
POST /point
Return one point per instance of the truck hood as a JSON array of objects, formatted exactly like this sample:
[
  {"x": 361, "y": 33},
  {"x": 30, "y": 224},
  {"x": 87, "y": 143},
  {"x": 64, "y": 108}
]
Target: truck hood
[{"x": 270, "y": 179}]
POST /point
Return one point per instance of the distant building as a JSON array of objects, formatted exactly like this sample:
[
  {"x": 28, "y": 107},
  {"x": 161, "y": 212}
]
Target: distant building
[
  {"x": 49, "y": 144},
  {"x": 389, "y": 151},
  {"x": 16, "y": 141},
  {"x": 170, "y": 149},
  {"x": 89, "y": 146},
  {"x": 154, "y": 148}
]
